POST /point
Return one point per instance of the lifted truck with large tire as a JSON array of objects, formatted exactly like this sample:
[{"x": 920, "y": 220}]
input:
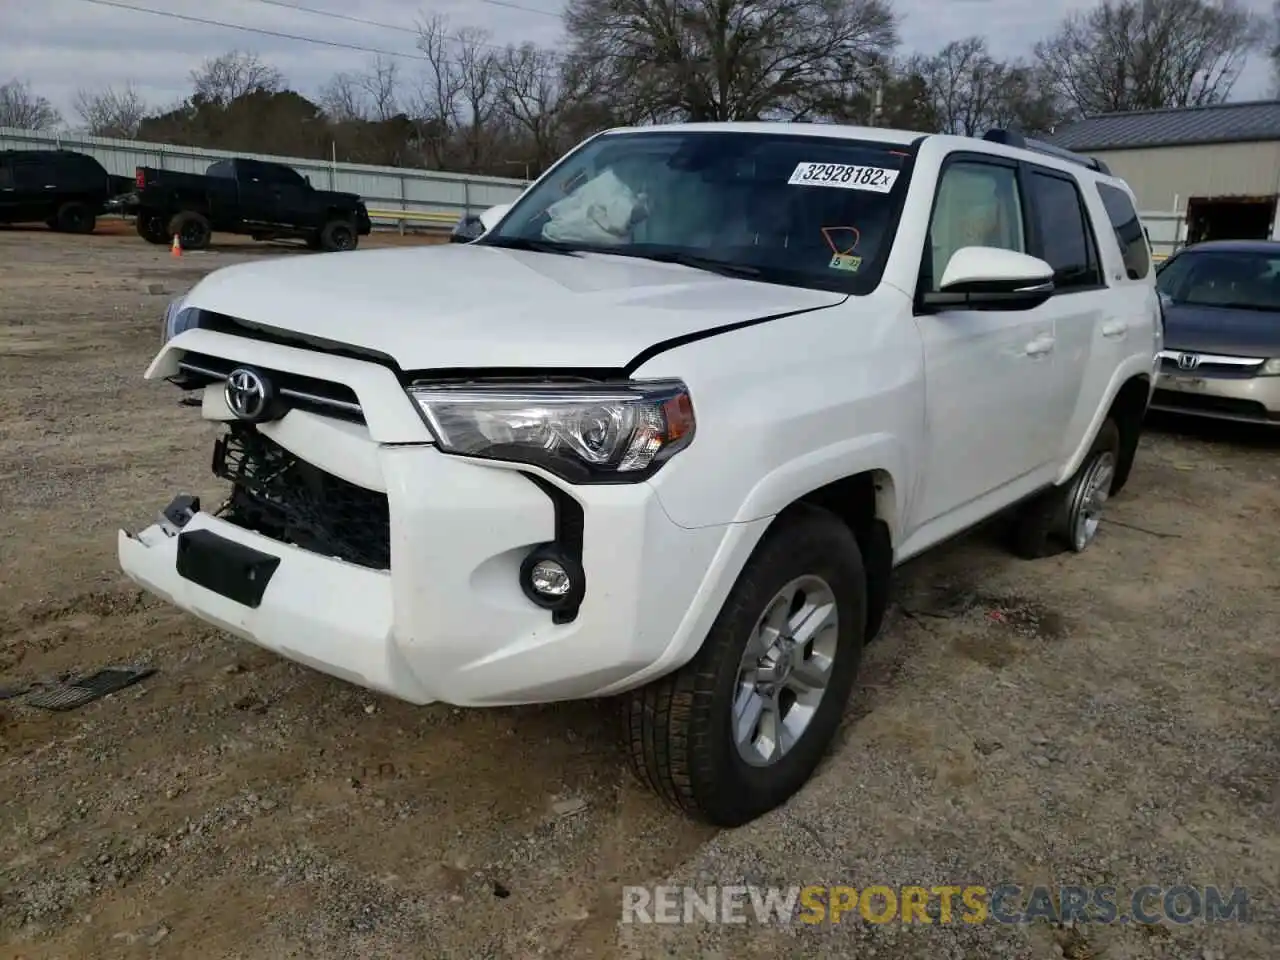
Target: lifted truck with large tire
[{"x": 266, "y": 201}]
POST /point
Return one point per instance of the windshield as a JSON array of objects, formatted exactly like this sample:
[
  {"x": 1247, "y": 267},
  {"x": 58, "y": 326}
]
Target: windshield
[
  {"x": 793, "y": 209},
  {"x": 1245, "y": 280}
]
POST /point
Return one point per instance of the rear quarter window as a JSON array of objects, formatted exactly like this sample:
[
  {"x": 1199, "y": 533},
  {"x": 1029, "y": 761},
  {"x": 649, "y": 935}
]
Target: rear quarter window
[{"x": 1128, "y": 230}]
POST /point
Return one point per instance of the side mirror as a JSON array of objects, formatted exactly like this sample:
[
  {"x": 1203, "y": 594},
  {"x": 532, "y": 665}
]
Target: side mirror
[
  {"x": 491, "y": 216},
  {"x": 308, "y": 179},
  {"x": 989, "y": 278},
  {"x": 467, "y": 228},
  {"x": 475, "y": 225}
]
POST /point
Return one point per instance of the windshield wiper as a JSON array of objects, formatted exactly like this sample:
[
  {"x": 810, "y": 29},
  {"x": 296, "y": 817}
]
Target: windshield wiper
[
  {"x": 723, "y": 267},
  {"x": 536, "y": 246}
]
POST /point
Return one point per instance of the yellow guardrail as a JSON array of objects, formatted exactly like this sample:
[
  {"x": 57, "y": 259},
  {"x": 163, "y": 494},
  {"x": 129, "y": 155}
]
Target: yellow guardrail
[{"x": 425, "y": 218}]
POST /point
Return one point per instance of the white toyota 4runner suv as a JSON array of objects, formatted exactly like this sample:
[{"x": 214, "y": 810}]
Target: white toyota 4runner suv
[{"x": 665, "y": 429}]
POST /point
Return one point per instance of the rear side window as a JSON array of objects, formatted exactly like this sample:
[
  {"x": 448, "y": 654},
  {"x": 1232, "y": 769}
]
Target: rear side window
[
  {"x": 75, "y": 169},
  {"x": 251, "y": 171},
  {"x": 222, "y": 168},
  {"x": 30, "y": 175},
  {"x": 276, "y": 173},
  {"x": 6, "y": 177},
  {"x": 1129, "y": 232},
  {"x": 1065, "y": 238}
]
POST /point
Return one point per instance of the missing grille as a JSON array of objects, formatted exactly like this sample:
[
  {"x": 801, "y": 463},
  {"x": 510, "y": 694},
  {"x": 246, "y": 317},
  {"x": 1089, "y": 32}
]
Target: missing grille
[{"x": 282, "y": 497}]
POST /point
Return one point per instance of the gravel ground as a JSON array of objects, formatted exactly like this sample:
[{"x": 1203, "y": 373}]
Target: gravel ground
[{"x": 1108, "y": 718}]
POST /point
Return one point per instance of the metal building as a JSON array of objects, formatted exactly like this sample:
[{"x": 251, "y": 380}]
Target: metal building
[{"x": 1199, "y": 173}]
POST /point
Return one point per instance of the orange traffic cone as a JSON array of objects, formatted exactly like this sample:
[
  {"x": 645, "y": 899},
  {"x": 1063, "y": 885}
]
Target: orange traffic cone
[{"x": 176, "y": 249}]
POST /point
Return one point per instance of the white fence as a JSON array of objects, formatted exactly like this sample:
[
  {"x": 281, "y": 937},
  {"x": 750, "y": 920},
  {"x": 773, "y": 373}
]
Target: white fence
[
  {"x": 1167, "y": 229},
  {"x": 382, "y": 188}
]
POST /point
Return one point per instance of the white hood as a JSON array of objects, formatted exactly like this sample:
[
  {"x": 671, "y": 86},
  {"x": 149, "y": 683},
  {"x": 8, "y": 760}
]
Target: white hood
[{"x": 463, "y": 305}]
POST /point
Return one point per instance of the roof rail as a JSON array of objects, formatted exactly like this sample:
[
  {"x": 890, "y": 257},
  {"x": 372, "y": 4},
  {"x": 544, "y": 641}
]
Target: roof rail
[{"x": 1011, "y": 138}]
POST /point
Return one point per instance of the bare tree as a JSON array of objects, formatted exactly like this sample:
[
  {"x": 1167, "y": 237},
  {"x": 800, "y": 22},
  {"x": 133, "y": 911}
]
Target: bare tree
[
  {"x": 730, "y": 59},
  {"x": 458, "y": 94},
  {"x": 1272, "y": 34},
  {"x": 111, "y": 112},
  {"x": 1146, "y": 54},
  {"x": 966, "y": 85},
  {"x": 970, "y": 91},
  {"x": 478, "y": 69},
  {"x": 232, "y": 75},
  {"x": 21, "y": 107},
  {"x": 342, "y": 98},
  {"x": 530, "y": 86},
  {"x": 380, "y": 84},
  {"x": 437, "y": 102}
]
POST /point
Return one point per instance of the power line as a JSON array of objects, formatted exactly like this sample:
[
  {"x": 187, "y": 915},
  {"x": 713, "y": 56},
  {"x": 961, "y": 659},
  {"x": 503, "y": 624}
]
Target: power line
[
  {"x": 509, "y": 4},
  {"x": 399, "y": 28},
  {"x": 262, "y": 31}
]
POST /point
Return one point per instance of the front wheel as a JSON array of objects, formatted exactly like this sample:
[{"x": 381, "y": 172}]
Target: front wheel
[
  {"x": 337, "y": 235},
  {"x": 740, "y": 728}
]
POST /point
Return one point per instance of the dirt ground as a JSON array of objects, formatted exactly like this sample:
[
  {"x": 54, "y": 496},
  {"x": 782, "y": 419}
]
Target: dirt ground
[{"x": 1107, "y": 718}]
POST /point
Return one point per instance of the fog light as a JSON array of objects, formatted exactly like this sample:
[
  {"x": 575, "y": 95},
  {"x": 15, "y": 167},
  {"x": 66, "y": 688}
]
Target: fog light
[{"x": 551, "y": 578}]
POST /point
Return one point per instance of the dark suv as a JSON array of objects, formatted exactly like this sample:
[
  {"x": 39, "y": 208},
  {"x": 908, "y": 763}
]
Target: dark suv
[{"x": 65, "y": 189}]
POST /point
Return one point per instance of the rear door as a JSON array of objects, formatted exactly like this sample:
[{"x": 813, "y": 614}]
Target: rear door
[
  {"x": 256, "y": 193},
  {"x": 1081, "y": 306},
  {"x": 292, "y": 199},
  {"x": 8, "y": 192},
  {"x": 35, "y": 189}
]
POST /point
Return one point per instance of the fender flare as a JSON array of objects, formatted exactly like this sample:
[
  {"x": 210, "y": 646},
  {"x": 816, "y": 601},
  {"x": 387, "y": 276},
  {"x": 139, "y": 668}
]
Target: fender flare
[
  {"x": 777, "y": 490},
  {"x": 790, "y": 481},
  {"x": 1132, "y": 368}
]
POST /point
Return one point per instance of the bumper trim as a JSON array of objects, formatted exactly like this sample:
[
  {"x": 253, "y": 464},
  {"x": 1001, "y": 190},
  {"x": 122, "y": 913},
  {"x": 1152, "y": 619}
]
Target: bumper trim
[{"x": 229, "y": 569}]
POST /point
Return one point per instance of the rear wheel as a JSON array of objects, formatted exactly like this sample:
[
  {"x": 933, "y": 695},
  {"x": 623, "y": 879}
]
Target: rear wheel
[
  {"x": 192, "y": 228},
  {"x": 1068, "y": 517},
  {"x": 74, "y": 217},
  {"x": 151, "y": 228},
  {"x": 337, "y": 235},
  {"x": 741, "y": 727}
]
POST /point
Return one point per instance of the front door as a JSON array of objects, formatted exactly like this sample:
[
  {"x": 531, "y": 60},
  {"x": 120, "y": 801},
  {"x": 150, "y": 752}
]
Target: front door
[{"x": 988, "y": 373}]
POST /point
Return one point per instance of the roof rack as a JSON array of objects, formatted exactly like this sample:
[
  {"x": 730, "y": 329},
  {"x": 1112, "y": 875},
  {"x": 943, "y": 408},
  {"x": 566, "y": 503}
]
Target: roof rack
[{"x": 1011, "y": 138}]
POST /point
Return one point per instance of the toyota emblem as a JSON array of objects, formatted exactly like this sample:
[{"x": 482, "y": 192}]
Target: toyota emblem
[
  {"x": 248, "y": 395},
  {"x": 1188, "y": 361}
]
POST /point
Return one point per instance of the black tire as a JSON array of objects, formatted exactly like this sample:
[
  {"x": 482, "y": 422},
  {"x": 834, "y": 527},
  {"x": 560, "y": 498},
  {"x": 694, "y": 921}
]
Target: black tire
[
  {"x": 1042, "y": 527},
  {"x": 75, "y": 217},
  {"x": 192, "y": 228},
  {"x": 151, "y": 228},
  {"x": 338, "y": 235},
  {"x": 679, "y": 728}
]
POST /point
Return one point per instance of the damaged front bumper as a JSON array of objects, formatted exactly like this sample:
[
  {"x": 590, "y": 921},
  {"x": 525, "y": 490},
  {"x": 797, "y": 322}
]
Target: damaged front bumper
[{"x": 333, "y": 616}]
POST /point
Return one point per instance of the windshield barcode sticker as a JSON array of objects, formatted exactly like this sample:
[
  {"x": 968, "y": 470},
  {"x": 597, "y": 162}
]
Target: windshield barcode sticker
[{"x": 847, "y": 176}]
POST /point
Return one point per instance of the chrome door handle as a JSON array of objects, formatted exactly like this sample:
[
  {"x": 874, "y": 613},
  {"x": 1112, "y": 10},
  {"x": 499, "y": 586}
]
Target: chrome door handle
[
  {"x": 1040, "y": 346},
  {"x": 1115, "y": 329}
]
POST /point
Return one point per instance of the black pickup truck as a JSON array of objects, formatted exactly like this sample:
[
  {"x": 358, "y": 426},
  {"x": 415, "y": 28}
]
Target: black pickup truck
[
  {"x": 266, "y": 201},
  {"x": 63, "y": 188}
]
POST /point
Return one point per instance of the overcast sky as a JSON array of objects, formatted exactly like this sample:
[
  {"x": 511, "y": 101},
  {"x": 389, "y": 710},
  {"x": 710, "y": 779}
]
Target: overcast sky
[{"x": 60, "y": 46}]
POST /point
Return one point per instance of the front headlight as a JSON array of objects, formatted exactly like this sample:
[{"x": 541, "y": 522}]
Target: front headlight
[
  {"x": 590, "y": 433},
  {"x": 177, "y": 318},
  {"x": 1271, "y": 368}
]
